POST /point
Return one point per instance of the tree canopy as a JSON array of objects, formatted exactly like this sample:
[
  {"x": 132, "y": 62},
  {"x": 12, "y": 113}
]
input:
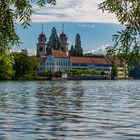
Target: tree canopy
[
  {"x": 54, "y": 40},
  {"x": 12, "y": 11},
  {"x": 127, "y": 11},
  {"x": 78, "y": 47},
  {"x": 127, "y": 41}
]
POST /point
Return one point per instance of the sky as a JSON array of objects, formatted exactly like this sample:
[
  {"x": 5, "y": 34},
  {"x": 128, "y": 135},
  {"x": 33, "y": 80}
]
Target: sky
[{"x": 79, "y": 16}]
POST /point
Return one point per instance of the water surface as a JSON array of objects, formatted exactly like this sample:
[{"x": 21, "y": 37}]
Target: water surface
[{"x": 70, "y": 110}]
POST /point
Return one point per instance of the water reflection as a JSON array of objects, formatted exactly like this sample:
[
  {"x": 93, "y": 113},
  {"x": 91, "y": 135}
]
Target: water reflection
[{"x": 70, "y": 110}]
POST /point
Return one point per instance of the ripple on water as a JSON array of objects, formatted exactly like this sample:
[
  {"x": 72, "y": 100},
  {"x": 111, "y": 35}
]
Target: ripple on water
[{"x": 70, "y": 110}]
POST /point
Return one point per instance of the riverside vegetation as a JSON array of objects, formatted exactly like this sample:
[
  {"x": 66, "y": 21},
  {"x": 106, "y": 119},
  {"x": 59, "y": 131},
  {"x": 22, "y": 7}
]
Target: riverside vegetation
[{"x": 24, "y": 67}]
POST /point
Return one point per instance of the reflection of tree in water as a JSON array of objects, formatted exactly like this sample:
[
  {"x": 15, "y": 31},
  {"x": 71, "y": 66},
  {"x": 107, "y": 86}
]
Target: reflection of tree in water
[
  {"x": 16, "y": 96},
  {"x": 56, "y": 105},
  {"x": 76, "y": 94},
  {"x": 51, "y": 107}
]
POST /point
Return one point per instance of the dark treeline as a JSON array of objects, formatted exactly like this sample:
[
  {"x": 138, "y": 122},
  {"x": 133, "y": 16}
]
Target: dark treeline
[{"x": 17, "y": 65}]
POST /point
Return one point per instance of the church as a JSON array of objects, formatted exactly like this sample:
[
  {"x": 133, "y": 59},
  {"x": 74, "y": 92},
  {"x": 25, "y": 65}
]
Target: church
[{"x": 61, "y": 59}]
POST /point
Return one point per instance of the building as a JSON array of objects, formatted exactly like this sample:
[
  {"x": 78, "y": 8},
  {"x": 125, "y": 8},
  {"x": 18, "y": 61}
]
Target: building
[{"x": 60, "y": 60}]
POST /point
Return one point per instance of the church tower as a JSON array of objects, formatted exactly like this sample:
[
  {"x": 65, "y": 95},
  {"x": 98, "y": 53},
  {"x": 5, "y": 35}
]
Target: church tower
[
  {"x": 63, "y": 41},
  {"x": 42, "y": 44}
]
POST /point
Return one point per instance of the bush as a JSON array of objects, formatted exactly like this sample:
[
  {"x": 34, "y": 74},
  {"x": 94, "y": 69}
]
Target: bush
[
  {"x": 49, "y": 73},
  {"x": 102, "y": 73}
]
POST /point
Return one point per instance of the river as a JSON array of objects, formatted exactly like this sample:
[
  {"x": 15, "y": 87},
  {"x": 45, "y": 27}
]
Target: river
[{"x": 70, "y": 110}]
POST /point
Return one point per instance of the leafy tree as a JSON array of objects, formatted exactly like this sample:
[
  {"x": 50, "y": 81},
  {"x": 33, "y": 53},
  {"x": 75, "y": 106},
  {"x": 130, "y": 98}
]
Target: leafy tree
[
  {"x": 102, "y": 73},
  {"x": 114, "y": 71},
  {"x": 127, "y": 41},
  {"x": 78, "y": 48},
  {"x": 6, "y": 65},
  {"x": 109, "y": 51},
  {"x": 54, "y": 40},
  {"x": 10, "y": 12},
  {"x": 49, "y": 73},
  {"x": 25, "y": 66}
]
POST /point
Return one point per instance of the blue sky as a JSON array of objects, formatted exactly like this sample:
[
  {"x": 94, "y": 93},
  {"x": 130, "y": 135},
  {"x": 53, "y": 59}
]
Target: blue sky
[{"x": 79, "y": 16}]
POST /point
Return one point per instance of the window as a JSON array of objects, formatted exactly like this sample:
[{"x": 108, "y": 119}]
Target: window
[
  {"x": 75, "y": 64},
  {"x": 41, "y": 49},
  {"x": 83, "y": 64}
]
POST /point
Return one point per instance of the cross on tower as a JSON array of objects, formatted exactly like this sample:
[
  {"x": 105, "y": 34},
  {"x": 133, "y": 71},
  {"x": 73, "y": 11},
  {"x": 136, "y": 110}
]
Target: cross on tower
[{"x": 42, "y": 28}]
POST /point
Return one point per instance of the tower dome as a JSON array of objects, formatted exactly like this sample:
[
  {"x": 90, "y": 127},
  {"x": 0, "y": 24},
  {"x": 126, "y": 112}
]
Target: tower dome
[
  {"x": 42, "y": 44},
  {"x": 42, "y": 38},
  {"x": 63, "y": 41}
]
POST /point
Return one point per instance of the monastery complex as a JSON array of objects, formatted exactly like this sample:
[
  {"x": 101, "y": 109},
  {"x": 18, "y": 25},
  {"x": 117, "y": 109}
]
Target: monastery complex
[{"x": 62, "y": 59}]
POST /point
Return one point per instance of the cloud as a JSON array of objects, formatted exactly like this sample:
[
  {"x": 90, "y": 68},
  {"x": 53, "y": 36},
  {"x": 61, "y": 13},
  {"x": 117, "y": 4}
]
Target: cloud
[
  {"x": 72, "y": 11},
  {"x": 29, "y": 50},
  {"x": 86, "y": 25},
  {"x": 99, "y": 50}
]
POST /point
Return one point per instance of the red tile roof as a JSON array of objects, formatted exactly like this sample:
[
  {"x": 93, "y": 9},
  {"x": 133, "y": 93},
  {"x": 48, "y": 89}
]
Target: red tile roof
[
  {"x": 81, "y": 60},
  {"x": 59, "y": 54},
  {"x": 113, "y": 60},
  {"x": 40, "y": 59},
  {"x": 100, "y": 61},
  {"x": 89, "y": 60}
]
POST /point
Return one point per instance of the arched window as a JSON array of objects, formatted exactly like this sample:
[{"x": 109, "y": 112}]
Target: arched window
[{"x": 41, "y": 49}]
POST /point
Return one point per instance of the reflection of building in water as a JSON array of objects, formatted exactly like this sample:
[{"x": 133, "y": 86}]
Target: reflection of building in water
[{"x": 60, "y": 59}]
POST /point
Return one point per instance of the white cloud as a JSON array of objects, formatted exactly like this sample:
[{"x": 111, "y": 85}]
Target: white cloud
[
  {"x": 30, "y": 51},
  {"x": 99, "y": 50},
  {"x": 72, "y": 11},
  {"x": 86, "y": 25}
]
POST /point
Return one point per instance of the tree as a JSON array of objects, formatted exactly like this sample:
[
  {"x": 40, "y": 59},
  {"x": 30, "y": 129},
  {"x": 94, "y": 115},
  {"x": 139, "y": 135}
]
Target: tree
[
  {"x": 127, "y": 11},
  {"x": 72, "y": 51},
  {"x": 127, "y": 41},
  {"x": 6, "y": 66},
  {"x": 109, "y": 51},
  {"x": 25, "y": 66},
  {"x": 78, "y": 48},
  {"x": 54, "y": 40},
  {"x": 49, "y": 73},
  {"x": 114, "y": 71},
  {"x": 10, "y": 12}
]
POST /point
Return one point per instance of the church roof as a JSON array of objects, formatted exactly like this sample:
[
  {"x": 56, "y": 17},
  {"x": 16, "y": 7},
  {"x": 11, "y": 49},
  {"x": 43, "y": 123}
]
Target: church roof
[
  {"x": 99, "y": 60},
  {"x": 81, "y": 60},
  {"x": 59, "y": 54},
  {"x": 42, "y": 35},
  {"x": 113, "y": 60},
  {"x": 40, "y": 59},
  {"x": 89, "y": 60}
]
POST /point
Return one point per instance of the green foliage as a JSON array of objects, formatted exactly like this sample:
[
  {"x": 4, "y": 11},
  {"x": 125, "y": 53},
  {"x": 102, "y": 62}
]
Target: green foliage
[
  {"x": 102, "y": 73},
  {"x": 115, "y": 70},
  {"x": 72, "y": 51},
  {"x": 127, "y": 11},
  {"x": 109, "y": 51},
  {"x": 93, "y": 55},
  {"x": 127, "y": 41},
  {"x": 73, "y": 72},
  {"x": 25, "y": 66},
  {"x": 49, "y": 73},
  {"x": 10, "y": 12},
  {"x": 78, "y": 48},
  {"x": 6, "y": 65},
  {"x": 54, "y": 40}
]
